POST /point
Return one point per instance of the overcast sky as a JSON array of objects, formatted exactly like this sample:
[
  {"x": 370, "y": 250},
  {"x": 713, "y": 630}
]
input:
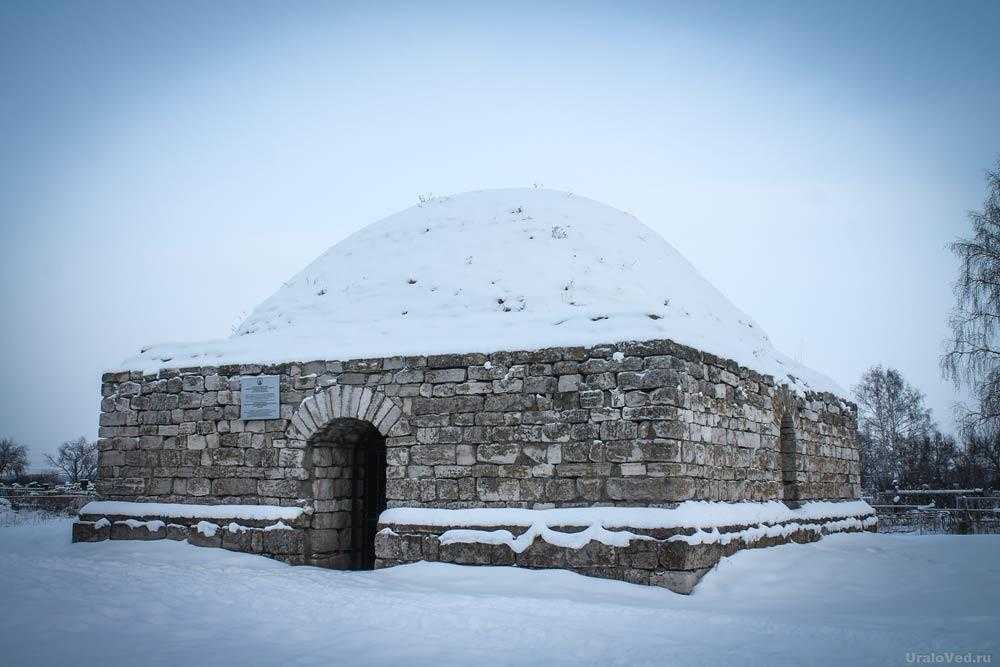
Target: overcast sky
[{"x": 165, "y": 166}]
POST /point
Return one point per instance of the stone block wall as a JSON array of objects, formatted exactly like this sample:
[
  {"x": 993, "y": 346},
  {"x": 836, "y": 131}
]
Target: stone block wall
[{"x": 636, "y": 423}]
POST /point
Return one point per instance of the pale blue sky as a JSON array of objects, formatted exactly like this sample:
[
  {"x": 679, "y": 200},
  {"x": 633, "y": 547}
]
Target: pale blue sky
[{"x": 165, "y": 166}]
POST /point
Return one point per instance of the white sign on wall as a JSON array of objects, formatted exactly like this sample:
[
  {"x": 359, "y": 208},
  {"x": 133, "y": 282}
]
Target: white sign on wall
[{"x": 259, "y": 397}]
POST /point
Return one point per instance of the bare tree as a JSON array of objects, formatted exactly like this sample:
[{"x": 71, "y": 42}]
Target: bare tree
[
  {"x": 13, "y": 458},
  {"x": 892, "y": 419},
  {"x": 973, "y": 357},
  {"x": 77, "y": 459},
  {"x": 983, "y": 449},
  {"x": 930, "y": 459}
]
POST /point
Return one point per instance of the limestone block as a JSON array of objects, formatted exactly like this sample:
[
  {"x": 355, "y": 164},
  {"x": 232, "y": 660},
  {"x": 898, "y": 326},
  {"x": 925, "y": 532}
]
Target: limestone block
[
  {"x": 666, "y": 429},
  {"x": 411, "y": 547},
  {"x": 471, "y": 388},
  {"x": 679, "y": 555},
  {"x": 401, "y": 489},
  {"x": 465, "y": 455},
  {"x": 560, "y": 490},
  {"x": 291, "y": 458},
  {"x": 88, "y": 531},
  {"x": 540, "y": 385},
  {"x": 660, "y": 450},
  {"x": 636, "y": 488},
  {"x": 329, "y": 520},
  {"x": 592, "y": 398},
  {"x": 633, "y": 469},
  {"x": 591, "y": 554},
  {"x": 624, "y": 451},
  {"x": 497, "y": 453},
  {"x": 120, "y": 530},
  {"x": 444, "y": 375},
  {"x": 437, "y": 454},
  {"x": 177, "y": 532},
  {"x": 282, "y": 542},
  {"x": 496, "y": 489},
  {"x": 279, "y": 488},
  {"x": 619, "y": 430},
  {"x": 508, "y": 385},
  {"x": 193, "y": 383},
  {"x": 464, "y": 553},
  {"x": 501, "y": 554},
  {"x": 240, "y": 540},
  {"x": 682, "y": 582},
  {"x": 198, "y": 486},
  {"x": 650, "y": 379},
  {"x": 387, "y": 545},
  {"x": 159, "y": 487},
  {"x": 439, "y": 435},
  {"x": 199, "y": 539},
  {"x": 409, "y": 376},
  {"x": 234, "y": 487},
  {"x": 541, "y": 554},
  {"x": 446, "y": 489},
  {"x": 591, "y": 489}
]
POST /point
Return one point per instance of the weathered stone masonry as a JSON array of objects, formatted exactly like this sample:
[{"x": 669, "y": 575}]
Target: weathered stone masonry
[
  {"x": 640, "y": 423},
  {"x": 657, "y": 560}
]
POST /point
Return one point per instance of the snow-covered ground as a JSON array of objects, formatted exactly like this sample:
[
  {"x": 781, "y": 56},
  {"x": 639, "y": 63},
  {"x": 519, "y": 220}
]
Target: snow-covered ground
[{"x": 848, "y": 599}]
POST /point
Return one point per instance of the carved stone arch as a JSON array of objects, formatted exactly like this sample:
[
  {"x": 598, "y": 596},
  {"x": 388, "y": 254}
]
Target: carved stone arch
[
  {"x": 344, "y": 429},
  {"x": 345, "y": 401}
]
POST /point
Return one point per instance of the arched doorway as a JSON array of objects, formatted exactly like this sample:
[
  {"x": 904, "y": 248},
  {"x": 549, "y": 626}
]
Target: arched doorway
[
  {"x": 788, "y": 450},
  {"x": 344, "y": 427},
  {"x": 347, "y": 470}
]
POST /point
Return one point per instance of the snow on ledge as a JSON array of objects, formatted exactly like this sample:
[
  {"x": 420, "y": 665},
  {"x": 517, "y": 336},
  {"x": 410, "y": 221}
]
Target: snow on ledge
[
  {"x": 518, "y": 544},
  {"x": 622, "y": 538},
  {"x": 152, "y": 526},
  {"x": 235, "y": 528},
  {"x": 185, "y": 511},
  {"x": 756, "y": 533},
  {"x": 207, "y": 528},
  {"x": 281, "y": 525},
  {"x": 690, "y": 514}
]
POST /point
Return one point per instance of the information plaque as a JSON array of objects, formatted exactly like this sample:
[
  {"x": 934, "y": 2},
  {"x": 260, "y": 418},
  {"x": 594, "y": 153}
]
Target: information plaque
[{"x": 259, "y": 397}]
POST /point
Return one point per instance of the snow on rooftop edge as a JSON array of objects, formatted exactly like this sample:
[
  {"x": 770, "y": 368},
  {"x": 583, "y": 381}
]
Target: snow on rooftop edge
[
  {"x": 689, "y": 514},
  {"x": 487, "y": 271}
]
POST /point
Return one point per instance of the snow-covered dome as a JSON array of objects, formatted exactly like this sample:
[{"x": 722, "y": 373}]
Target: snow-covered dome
[{"x": 489, "y": 271}]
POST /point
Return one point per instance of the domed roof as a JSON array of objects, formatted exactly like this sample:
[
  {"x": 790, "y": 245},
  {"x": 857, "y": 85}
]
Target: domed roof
[{"x": 489, "y": 271}]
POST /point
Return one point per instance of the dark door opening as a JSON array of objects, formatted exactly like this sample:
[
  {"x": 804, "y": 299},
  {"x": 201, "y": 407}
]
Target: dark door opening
[
  {"x": 788, "y": 458},
  {"x": 347, "y": 461},
  {"x": 368, "y": 499}
]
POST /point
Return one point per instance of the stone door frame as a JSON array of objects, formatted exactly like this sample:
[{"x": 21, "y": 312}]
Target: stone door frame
[{"x": 327, "y": 406}]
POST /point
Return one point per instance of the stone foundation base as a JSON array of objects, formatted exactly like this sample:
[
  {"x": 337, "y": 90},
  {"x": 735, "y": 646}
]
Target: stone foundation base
[
  {"x": 672, "y": 558},
  {"x": 675, "y": 559},
  {"x": 272, "y": 539}
]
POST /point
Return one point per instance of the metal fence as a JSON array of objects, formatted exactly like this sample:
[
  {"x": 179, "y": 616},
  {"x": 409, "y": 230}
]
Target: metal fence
[
  {"x": 46, "y": 500},
  {"x": 924, "y": 521},
  {"x": 978, "y": 503}
]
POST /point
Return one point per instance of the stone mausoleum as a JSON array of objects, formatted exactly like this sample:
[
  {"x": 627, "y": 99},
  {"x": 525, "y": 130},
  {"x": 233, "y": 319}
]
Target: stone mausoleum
[{"x": 513, "y": 377}]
